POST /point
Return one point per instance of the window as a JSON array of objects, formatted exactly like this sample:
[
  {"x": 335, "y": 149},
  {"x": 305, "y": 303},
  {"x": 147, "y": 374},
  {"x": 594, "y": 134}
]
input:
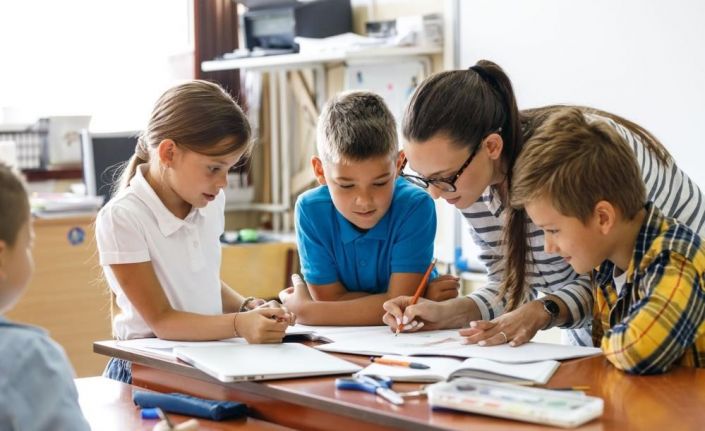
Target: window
[{"x": 106, "y": 58}]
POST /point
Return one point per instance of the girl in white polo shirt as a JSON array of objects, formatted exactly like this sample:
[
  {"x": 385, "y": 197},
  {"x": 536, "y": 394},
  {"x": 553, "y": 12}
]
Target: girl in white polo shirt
[{"x": 158, "y": 238}]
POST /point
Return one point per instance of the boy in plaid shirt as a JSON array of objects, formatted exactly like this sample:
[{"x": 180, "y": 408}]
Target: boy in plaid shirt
[{"x": 579, "y": 181}]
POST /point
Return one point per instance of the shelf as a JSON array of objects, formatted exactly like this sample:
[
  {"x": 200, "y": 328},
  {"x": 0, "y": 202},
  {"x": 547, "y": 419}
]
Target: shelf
[
  {"x": 251, "y": 206},
  {"x": 71, "y": 173},
  {"x": 286, "y": 61}
]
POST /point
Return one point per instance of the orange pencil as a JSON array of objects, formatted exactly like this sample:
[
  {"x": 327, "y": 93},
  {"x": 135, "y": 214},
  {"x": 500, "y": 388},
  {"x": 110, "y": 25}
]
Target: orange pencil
[{"x": 419, "y": 291}]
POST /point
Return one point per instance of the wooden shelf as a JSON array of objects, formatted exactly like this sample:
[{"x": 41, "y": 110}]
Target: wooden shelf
[
  {"x": 73, "y": 173},
  {"x": 296, "y": 61}
]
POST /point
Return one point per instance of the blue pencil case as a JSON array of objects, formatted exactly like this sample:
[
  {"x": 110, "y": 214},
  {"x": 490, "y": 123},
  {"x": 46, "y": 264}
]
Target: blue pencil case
[{"x": 190, "y": 406}]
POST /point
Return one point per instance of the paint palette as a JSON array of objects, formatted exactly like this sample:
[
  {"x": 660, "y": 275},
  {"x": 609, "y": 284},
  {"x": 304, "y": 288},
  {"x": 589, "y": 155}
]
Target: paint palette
[{"x": 543, "y": 406}]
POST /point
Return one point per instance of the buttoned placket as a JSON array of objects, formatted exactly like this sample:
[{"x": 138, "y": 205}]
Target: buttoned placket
[{"x": 193, "y": 241}]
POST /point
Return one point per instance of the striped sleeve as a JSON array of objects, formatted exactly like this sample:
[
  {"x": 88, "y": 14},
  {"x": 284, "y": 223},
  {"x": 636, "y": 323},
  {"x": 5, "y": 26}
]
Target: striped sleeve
[
  {"x": 578, "y": 297},
  {"x": 667, "y": 185},
  {"x": 661, "y": 326},
  {"x": 487, "y": 297}
]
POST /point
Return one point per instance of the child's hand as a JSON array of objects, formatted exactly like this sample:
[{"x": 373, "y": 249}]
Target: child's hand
[
  {"x": 256, "y": 303},
  {"x": 443, "y": 288},
  {"x": 291, "y": 317},
  {"x": 262, "y": 325},
  {"x": 296, "y": 297}
]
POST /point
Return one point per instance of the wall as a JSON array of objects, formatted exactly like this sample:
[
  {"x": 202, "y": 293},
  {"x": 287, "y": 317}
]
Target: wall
[{"x": 642, "y": 60}]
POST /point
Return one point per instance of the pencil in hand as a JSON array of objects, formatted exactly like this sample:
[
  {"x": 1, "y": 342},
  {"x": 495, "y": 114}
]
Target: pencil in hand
[{"x": 419, "y": 291}]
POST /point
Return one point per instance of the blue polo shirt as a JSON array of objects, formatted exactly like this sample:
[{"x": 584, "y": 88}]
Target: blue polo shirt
[{"x": 332, "y": 249}]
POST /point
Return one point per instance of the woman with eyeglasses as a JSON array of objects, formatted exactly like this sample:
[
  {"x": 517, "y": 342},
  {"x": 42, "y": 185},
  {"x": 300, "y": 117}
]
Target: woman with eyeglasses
[{"x": 463, "y": 132}]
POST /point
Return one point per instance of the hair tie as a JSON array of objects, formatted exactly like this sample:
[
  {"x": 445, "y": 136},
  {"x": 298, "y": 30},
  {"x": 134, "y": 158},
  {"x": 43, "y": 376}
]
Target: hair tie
[
  {"x": 489, "y": 79},
  {"x": 141, "y": 150},
  {"x": 485, "y": 77}
]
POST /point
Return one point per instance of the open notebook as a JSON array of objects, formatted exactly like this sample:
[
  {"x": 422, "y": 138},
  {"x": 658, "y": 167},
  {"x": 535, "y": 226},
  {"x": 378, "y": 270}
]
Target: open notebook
[
  {"x": 449, "y": 369},
  {"x": 449, "y": 343},
  {"x": 242, "y": 362}
]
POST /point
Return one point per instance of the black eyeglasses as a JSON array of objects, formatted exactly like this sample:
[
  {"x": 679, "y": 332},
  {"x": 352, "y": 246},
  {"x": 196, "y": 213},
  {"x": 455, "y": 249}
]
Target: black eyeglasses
[{"x": 443, "y": 184}]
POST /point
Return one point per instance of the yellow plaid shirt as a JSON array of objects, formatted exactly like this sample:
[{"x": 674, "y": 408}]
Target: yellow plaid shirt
[{"x": 658, "y": 319}]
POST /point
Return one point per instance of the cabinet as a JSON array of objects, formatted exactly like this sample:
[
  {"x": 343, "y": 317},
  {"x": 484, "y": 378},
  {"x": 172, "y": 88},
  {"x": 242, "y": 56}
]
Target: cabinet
[{"x": 67, "y": 295}]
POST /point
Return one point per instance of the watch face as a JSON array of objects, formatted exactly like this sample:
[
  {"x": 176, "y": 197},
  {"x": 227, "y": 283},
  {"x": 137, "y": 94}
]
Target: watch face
[{"x": 551, "y": 307}]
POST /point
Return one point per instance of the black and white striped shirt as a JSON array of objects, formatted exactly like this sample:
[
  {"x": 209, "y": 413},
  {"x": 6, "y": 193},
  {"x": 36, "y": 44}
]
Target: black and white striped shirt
[{"x": 666, "y": 185}]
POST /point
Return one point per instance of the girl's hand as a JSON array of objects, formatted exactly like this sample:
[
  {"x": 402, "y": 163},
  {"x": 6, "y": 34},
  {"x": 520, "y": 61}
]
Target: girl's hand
[
  {"x": 262, "y": 325},
  {"x": 256, "y": 303},
  {"x": 276, "y": 304},
  {"x": 516, "y": 327},
  {"x": 442, "y": 288}
]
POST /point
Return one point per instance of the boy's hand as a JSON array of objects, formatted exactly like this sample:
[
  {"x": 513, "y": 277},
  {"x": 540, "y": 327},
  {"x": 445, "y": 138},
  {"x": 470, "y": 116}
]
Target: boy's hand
[
  {"x": 424, "y": 314},
  {"x": 516, "y": 327},
  {"x": 443, "y": 288},
  {"x": 262, "y": 325},
  {"x": 296, "y": 297}
]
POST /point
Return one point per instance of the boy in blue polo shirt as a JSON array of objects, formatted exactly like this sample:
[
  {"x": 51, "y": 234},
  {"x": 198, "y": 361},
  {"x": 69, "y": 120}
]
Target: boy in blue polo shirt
[{"x": 365, "y": 235}]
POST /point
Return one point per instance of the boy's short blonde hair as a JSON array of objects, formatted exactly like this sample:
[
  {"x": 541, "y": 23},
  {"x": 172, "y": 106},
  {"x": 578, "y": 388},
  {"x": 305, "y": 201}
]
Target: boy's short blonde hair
[
  {"x": 14, "y": 205},
  {"x": 576, "y": 160},
  {"x": 355, "y": 126}
]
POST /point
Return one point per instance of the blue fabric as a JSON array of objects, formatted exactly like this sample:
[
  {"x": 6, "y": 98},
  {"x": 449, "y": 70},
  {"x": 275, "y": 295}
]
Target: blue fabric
[
  {"x": 332, "y": 249},
  {"x": 37, "y": 391},
  {"x": 120, "y": 370},
  {"x": 190, "y": 406}
]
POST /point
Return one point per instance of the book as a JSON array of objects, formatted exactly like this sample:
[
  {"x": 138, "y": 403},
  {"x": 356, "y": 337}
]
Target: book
[
  {"x": 449, "y": 343},
  {"x": 441, "y": 369}
]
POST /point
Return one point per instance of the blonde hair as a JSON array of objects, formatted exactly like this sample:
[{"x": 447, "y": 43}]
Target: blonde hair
[
  {"x": 356, "y": 125},
  {"x": 196, "y": 115},
  {"x": 14, "y": 204},
  {"x": 574, "y": 160}
]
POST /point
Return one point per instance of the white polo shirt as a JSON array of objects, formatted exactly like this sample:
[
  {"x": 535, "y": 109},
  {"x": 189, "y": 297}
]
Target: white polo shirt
[{"x": 135, "y": 226}]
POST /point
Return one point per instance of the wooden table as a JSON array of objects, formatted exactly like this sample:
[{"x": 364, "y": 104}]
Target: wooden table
[
  {"x": 107, "y": 405},
  {"x": 674, "y": 401}
]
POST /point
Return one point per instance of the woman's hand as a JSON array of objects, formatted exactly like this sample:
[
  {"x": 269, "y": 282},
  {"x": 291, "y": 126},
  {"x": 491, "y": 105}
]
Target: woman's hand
[
  {"x": 424, "y": 314},
  {"x": 516, "y": 327}
]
